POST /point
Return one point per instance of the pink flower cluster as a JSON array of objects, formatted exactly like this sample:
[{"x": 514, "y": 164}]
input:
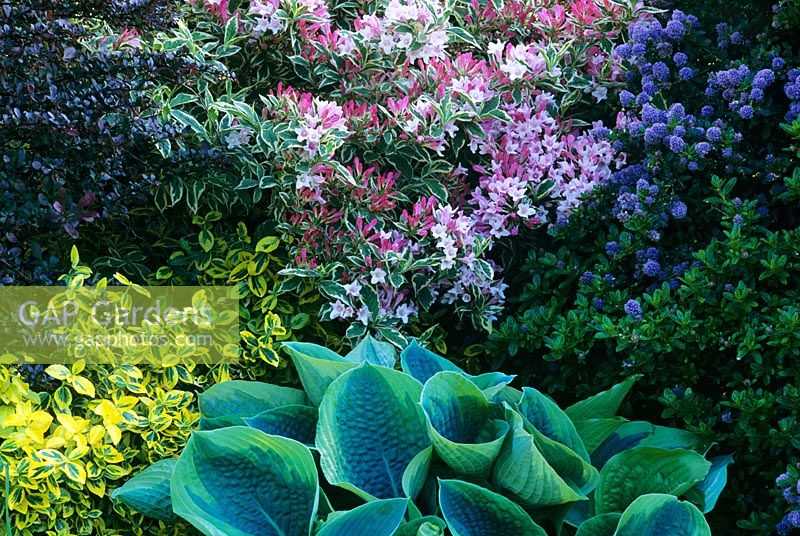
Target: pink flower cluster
[{"x": 428, "y": 138}]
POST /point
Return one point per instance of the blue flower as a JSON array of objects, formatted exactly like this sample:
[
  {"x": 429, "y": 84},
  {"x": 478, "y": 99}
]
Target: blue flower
[
  {"x": 738, "y": 219},
  {"x": 746, "y": 112},
  {"x": 651, "y": 114},
  {"x": 676, "y": 112},
  {"x": 624, "y": 51},
  {"x": 685, "y": 73},
  {"x": 763, "y": 78},
  {"x": 714, "y": 134},
  {"x": 678, "y": 210},
  {"x": 707, "y": 111},
  {"x": 660, "y": 71},
  {"x": 598, "y": 304},
  {"x": 612, "y": 248},
  {"x": 778, "y": 64},
  {"x": 703, "y": 148},
  {"x": 680, "y": 59},
  {"x": 587, "y": 278},
  {"x": 676, "y": 144},
  {"x": 651, "y": 268},
  {"x": 626, "y": 97},
  {"x": 633, "y": 309},
  {"x": 794, "y": 518},
  {"x": 675, "y": 29},
  {"x": 656, "y": 134}
]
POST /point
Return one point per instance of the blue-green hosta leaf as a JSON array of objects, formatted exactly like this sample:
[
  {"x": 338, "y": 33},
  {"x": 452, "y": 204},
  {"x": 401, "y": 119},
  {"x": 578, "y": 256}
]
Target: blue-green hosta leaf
[
  {"x": 575, "y": 471},
  {"x": 706, "y": 493},
  {"x": 417, "y": 471},
  {"x": 317, "y": 367},
  {"x": 373, "y": 351},
  {"x": 603, "y": 525},
  {"x": 422, "y": 364},
  {"x": 626, "y": 436},
  {"x": 229, "y": 403},
  {"x": 471, "y": 510},
  {"x": 603, "y": 405},
  {"x": 522, "y": 473},
  {"x": 671, "y": 438},
  {"x": 659, "y": 515},
  {"x": 509, "y": 395},
  {"x": 423, "y": 526},
  {"x": 148, "y": 491},
  {"x": 644, "y": 470},
  {"x": 594, "y": 431},
  {"x": 544, "y": 415},
  {"x": 458, "y": 412},
  {"x": 294, "y": 421},
  {"x": 370, "y": 429},
  {"x": 239, "y": 481},
  {"x": 376, "y": 518},
  {"x": 491, "y": 383}
]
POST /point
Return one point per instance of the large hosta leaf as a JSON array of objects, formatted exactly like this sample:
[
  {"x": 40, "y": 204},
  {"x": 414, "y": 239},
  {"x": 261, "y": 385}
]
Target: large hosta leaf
[
  {"x": 603, "y": 525},
  {"x": 603, "y": 405},
  {"x": 523, "y": 474},
  {"x": 594, "y": 431},
  {"x": 370, "y": 429},
  {"x": 706, "y": 493},
  {"x": 471, "y": 510},
  {"x": 148, "y": 491},
  {"x": 671, "y": 438},
  {"x": 422, "y": 364},
  {"x": 544, "y": 415},
  {"x": 229, "y": 403},
  {"x": 373, "y": 351},
  {"x": 293, "y": 421},
  {"x": 317, "y": 367},
  {"x": 239, "y": 481},
  {"x": 659, "y": 515},
  {"x": 376, "y": 518},
  {"x": 575, "y": 471},
  {"x": 458, "y": 412},
  {"x": 626, "y": 436},
  {"x": 644, "y": 470}
]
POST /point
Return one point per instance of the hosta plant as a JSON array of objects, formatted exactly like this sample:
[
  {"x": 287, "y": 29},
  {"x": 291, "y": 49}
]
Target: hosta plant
[{"x": 425, "y": 450}]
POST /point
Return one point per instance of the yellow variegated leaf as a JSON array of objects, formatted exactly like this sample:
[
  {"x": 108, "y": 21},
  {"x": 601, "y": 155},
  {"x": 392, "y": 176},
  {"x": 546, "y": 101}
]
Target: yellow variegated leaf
[
  {"x": 74, "y": 471},
  {"x": 59, "y": 372},
  {"x": 83, "y": 386}
]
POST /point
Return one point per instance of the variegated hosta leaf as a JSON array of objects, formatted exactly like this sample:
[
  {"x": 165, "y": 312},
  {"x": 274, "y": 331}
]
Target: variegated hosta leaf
[
  {"x": 458, "y": 412},
  {"x": 370, "y": 429},
  {"x": 376, "y": 518},
  {"x": 471, "y": 510},
  {"x": 659, "y": 515},
  {"x": 579, "y": 474},
  {"x": 625, "y": 436},
  {"x": 317, "y": 367},
  {"x": 522, "y": 473},
  {"x": 603, "y": 405},
  {"x": 229, "y": 403},
  {"x": 294, "y": 421},
  {"x": 602, "y": 525},
  {"x": 422, "y": 364},
  {"x": 238, "y": 481},
  {"x": 373, "y": 351},
  {"x": 544, "y": 415},
  {"x": 148, "y": 491},
  {"x": 706, "y": 493},
  {"x": 644, "y": 470}
]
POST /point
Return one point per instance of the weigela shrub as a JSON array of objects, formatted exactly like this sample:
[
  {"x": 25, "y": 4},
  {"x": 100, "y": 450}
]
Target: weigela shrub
[
  {"x": 397, "y": 143},
  {"x": 69, "y": 435},
  {"x": 425, "y": 449},
  {"x": 682, "y": 267}
]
